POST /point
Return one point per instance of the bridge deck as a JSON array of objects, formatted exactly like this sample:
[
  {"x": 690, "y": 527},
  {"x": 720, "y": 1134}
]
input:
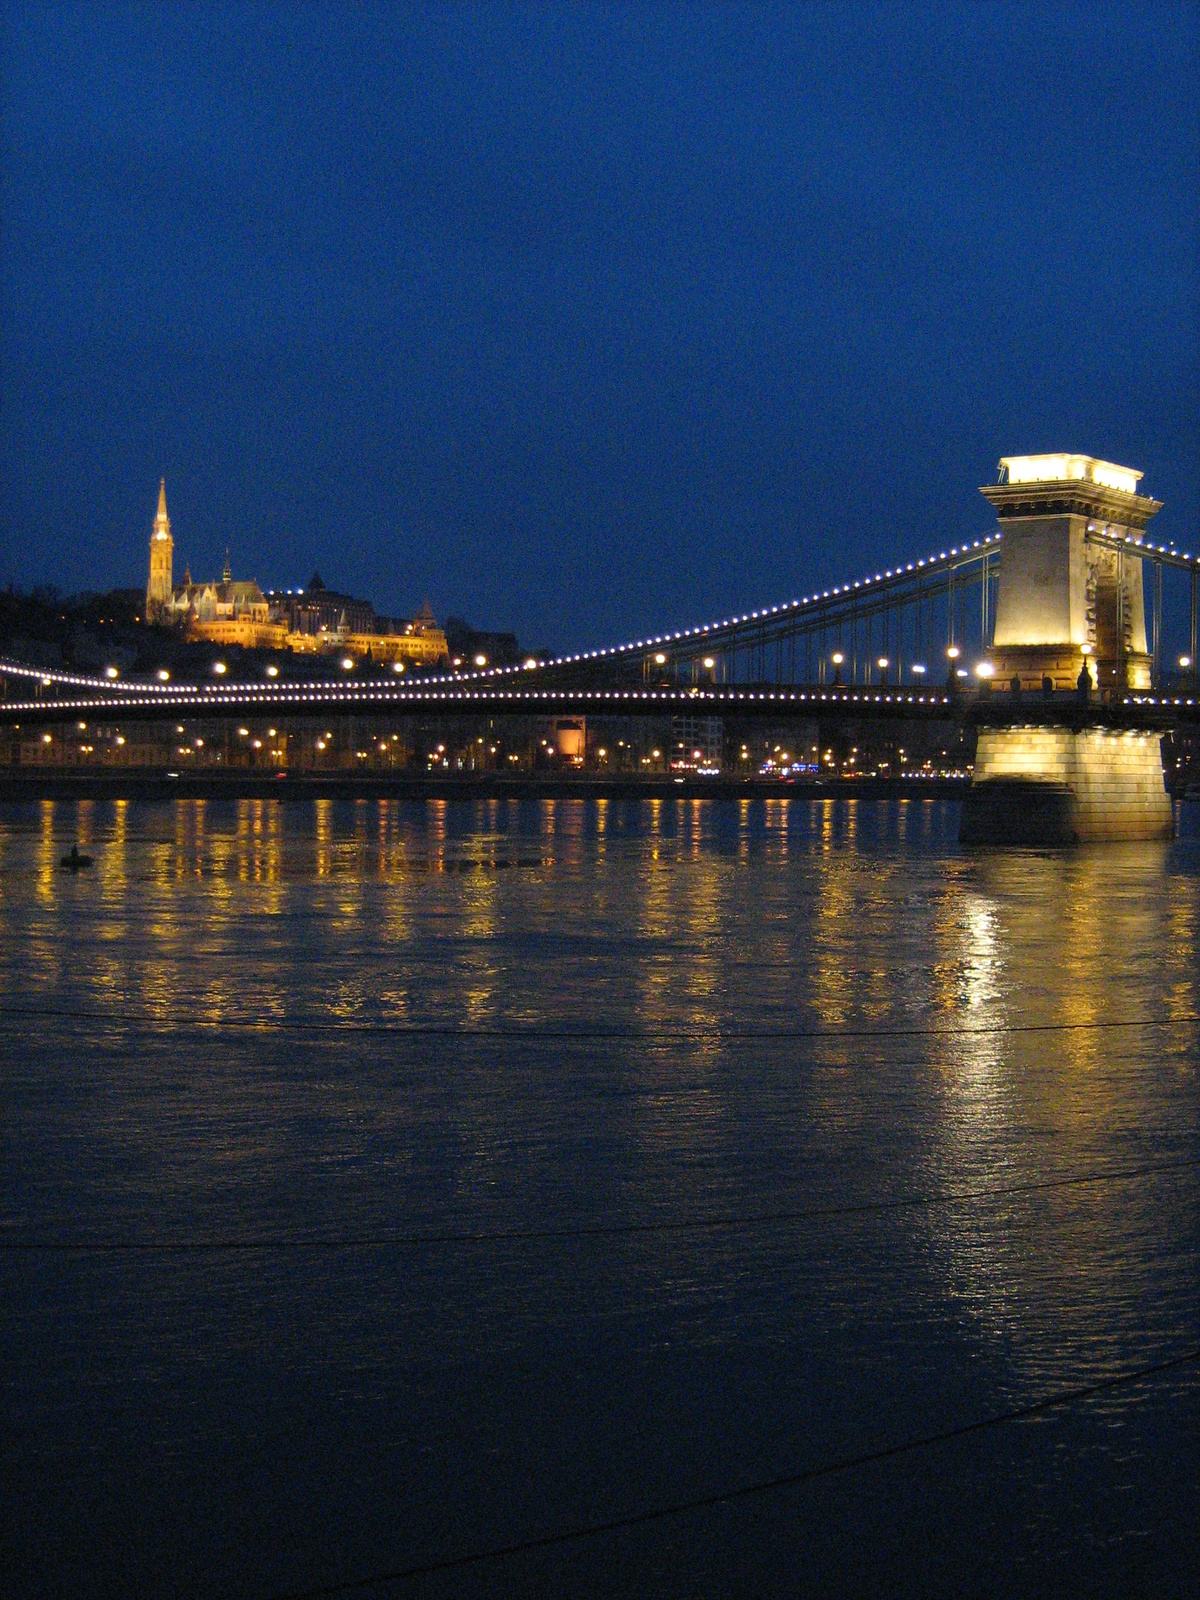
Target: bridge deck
[{"x": 62, "y": 697}]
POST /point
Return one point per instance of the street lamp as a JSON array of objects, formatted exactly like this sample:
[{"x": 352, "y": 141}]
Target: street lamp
[
  {"x": 219, "y": 668},
  {"x": 837, "y": 658},
  {"x": 883, "y": 666}
]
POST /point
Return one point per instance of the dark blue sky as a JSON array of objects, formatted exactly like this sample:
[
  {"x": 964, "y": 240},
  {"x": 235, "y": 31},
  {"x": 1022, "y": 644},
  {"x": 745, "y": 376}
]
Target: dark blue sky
[{"x": 583, "y": 321}]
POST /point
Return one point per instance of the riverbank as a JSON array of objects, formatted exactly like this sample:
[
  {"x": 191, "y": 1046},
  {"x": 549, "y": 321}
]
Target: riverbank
[{"x": 151, "y": 785}]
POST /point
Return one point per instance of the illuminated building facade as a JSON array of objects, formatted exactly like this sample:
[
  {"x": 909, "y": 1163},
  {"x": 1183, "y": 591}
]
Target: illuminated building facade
[{"x": 313, "y": 620}]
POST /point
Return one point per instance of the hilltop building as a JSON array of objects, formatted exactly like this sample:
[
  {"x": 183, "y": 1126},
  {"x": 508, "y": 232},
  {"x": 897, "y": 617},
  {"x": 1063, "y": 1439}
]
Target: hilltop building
[
  {"x": 318, "y": 618},
  {"x": 233, "y": 611},
  {"x": 315, "y": 608},
  {"x": 227, "y": 612}
]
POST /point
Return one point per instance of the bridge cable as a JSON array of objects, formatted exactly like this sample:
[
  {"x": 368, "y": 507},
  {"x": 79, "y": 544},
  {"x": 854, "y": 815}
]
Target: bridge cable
[{"x": 789, "y": 1480}]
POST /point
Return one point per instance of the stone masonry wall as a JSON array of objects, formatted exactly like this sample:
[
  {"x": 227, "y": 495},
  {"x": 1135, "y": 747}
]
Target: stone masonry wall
[{"x": 1115, "y": 780}]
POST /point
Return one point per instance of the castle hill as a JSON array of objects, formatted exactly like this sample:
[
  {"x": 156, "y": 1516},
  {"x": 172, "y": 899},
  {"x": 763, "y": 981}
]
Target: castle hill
[{"x": 1019, "y": 668}]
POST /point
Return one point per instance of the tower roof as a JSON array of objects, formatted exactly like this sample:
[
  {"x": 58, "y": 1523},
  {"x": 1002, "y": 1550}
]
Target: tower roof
[
  {"x": 1063, "y": 468},
  {"x": 162, "y": 497},
  {"x": 1063, "y": 485}
]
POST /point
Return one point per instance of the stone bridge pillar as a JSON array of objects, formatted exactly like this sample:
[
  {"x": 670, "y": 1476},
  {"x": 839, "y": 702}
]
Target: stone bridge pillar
[
  {"x": 1060, "y": 597},
  {"x": 1063, "y": 602}
]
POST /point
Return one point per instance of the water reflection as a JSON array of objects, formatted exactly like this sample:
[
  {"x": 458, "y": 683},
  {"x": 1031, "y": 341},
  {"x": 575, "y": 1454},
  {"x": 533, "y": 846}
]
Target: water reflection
[{"x": 804, "y": 1007}]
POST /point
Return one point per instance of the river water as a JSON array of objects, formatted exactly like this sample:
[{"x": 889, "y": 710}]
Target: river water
[{"x": 389, "y": 1183}]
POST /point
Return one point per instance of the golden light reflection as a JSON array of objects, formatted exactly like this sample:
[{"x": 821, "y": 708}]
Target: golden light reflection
[
  {"x": 208, "y": 911},
  {"x": 1066, "y": 947},
  {"x": 323, "y": 831}
]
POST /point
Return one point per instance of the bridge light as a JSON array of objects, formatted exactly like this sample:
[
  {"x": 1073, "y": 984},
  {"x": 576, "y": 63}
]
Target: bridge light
[
  {"x": 110, "y": 672},
  {"x": 219, "y": 668},
  {"x": 531, "y": 662},
  {"x": 1185, "y": 662},
  {"x": 243, "y": 733},
  {"x": 481, "y": 661},
  {"x": 660, "y": 659},
  {"x": 917, "y": 668},
  {"x": 163, "y": 675},
  {"x": 709, "y": 663},
  {"x": 883, "y": 663},
  {"x": 954, "y": 652},
  {"x": 837, "y": 658},
  {"x": 47, "y": 738},
  {"x": 347, "y": 663},
  {"x": 984, "y": 669},
  {"x": 272, "y": 671}
]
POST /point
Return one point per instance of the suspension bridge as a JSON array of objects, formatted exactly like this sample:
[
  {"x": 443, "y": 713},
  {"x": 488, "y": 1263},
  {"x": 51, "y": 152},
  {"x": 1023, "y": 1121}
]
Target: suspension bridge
[
  {"x": 1036, "y": 633},
  {"x": 910, "y": 642}
]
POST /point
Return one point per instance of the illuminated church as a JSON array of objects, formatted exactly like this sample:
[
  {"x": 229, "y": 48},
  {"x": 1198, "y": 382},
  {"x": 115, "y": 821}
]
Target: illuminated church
[{"x": 237, "y": 612}]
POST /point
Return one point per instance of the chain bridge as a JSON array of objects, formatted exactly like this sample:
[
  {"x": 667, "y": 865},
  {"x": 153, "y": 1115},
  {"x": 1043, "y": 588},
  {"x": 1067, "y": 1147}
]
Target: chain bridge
[{"x": 1037, "y": 636}]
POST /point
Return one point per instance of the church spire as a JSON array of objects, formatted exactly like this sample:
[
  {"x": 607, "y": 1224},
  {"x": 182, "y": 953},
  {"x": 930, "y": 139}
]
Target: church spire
[{"x": 159, "y": 588}]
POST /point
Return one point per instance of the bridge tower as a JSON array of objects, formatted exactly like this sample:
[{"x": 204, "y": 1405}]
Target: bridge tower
[
  {"x": 160, "y": 585},
  {"x": 1062, "y": 597},
  {"x": 1068, "y": 604}
]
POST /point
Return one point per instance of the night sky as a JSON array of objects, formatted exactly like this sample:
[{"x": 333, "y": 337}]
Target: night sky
[{"x": 587, "y": 321}]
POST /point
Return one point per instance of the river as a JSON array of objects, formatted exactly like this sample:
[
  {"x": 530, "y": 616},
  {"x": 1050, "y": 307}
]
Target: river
[{"x": 389, "y": 1183}]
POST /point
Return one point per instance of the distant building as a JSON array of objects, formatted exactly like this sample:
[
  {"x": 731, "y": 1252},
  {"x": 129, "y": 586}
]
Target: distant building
[
  {"x": 467, "y": 645},
  {"x": 316, "y": 619},
  {"x": 697, "y": 743},
  {"x": 228, "y": 612},
  {"x": 315, "y": 609},
  {"x": 321, "y": 619}
]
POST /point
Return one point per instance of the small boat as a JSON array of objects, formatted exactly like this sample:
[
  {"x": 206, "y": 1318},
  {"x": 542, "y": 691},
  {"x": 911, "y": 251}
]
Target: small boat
[{"x": 74, "y": 861}]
